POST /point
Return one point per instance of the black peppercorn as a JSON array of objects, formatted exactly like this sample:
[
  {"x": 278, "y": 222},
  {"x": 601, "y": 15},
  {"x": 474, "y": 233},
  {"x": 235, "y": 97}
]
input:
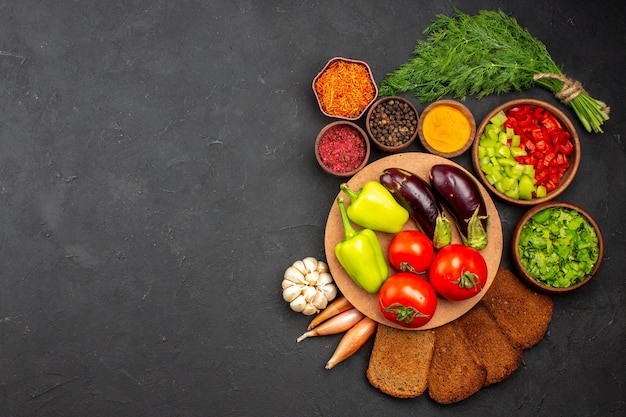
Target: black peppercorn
[{"x": 392, "y": 122}]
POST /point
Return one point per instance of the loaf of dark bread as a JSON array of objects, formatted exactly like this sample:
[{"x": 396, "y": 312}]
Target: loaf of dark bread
[
  {"x": 400, "y": 361},
  {"x": 455, "y": 373},
  {"x": 494, "y": 350},
  {"x": 522, "y": 314}
]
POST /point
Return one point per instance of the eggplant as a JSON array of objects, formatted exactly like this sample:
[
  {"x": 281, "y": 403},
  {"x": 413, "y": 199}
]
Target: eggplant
[
  {"x": 415, "y": 194},
  {"x": 459, "y": 192}
]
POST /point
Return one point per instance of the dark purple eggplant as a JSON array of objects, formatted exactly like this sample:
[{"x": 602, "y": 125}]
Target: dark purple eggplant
[
  {"x": 459, "y": 192},
  {"x": 414, "y": 194}
]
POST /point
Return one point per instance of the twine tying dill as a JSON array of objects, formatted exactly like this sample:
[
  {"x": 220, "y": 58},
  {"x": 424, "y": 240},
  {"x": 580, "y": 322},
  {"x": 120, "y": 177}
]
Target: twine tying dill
[{"x": 570, "y": 90}]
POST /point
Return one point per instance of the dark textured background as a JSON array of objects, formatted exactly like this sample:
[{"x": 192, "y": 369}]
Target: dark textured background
[{"x": 157, "y": 176}]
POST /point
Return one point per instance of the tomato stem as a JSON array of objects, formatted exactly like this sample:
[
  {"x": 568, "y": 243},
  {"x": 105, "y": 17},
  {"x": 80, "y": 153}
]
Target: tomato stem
[
  {"x": 468, "y": 280},
  {"x": 407, "y": 267},
  {"x": 403, "y": 313}
]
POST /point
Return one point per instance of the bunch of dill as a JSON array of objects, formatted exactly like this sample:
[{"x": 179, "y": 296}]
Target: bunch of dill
[{"x": 483, "y": 54}]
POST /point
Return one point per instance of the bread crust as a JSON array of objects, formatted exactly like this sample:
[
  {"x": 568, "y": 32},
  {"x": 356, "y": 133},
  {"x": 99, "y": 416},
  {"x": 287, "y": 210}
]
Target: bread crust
[
  {"x": 400, "y": 361},
  {"x": 455, "y": 373},
  {"x": 494, "y": 350},
  {"x": 523, "y": 314}
]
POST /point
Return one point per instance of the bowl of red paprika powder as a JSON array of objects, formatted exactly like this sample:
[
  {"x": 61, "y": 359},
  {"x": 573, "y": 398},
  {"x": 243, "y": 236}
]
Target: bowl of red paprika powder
[{"x": 342, "y": 148}]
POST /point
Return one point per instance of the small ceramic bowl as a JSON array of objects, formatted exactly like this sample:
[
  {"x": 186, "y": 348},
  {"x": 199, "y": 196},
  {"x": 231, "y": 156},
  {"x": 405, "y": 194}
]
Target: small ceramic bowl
[
  {"x": 517, "y": 237},
  {"x": 342, "y": 148},
  {"x": 573, "y": 158},
  {"x": 391, "y": 123},
  {"x": 442, "y": 121},
  {"x": 360, "y": 97}
]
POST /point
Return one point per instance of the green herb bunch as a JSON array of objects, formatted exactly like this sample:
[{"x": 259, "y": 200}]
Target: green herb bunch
[{"x": 483, "y": 54}]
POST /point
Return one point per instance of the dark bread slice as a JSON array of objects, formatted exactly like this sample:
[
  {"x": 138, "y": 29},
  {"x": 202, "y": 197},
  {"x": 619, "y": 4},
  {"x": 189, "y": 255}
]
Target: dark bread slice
[
  {"x": 522, "y": 314},
  {"x": 400, "y": 361},
  {"x": 455, "y": 373},
  {"x": 493, "y": 349}
]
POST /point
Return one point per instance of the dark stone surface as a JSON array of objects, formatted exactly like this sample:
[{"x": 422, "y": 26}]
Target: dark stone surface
[{"x": 157, "y": 176}]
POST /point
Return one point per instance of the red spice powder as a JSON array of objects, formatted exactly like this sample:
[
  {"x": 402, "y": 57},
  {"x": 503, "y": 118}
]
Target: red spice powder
[{"x": 342, "y": 149}]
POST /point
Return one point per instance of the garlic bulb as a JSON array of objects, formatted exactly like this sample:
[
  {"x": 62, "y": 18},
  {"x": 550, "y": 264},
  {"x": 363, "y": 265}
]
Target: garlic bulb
[{"x": 308, "y": 286}]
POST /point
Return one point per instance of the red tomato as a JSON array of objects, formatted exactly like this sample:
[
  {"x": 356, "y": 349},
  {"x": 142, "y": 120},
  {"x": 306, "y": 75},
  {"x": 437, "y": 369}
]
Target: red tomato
[
  {"x": 411, "y": 250},
  {"x": 407, "y": 299},
  {"x": 458, "y": 272}
]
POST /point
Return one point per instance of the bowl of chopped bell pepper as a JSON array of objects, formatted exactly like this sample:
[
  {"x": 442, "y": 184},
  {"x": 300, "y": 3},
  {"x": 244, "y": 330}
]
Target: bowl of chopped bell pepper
[
  {"x": 345, "y": 88},
  {"x": 557, "y": 247},
  {"x": 526, "y": 152}
]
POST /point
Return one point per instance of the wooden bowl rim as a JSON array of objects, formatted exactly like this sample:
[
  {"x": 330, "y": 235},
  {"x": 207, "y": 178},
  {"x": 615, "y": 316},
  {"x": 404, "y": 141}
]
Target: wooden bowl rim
[
  {"x": 363, "y": 136},
  {"x": 377, "y": 144},
  {"x": 574, "y": 162},
  {"x": 356, "y": 61},
  {"x": 515, "y": 242},
  {"x": 459, "y": 106}
]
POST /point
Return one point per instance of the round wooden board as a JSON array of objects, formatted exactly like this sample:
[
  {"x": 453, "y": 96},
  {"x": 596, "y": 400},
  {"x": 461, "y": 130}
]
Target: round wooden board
[{"x": 418, "y": 163}]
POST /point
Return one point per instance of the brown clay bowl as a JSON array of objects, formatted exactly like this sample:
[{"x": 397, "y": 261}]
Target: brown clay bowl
[
  {"x": 403, "y": 122},
  {"x": 339, "y": 149},
  {"x": 515, "y": 241},
  {"x": 345, "y": 84},
  {"x": 431, "y": 140},
  {"x": 573, "y": 158}
]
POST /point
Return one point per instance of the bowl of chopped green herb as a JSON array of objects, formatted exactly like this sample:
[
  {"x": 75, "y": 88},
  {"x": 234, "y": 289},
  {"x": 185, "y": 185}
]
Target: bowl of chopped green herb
[
  {"x": 526, "y": 152},
  {"x": 557, "y": 247}
]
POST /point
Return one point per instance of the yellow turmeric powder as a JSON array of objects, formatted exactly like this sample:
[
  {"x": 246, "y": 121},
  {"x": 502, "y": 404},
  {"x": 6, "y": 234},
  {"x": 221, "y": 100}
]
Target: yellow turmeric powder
[{"x": 446, "y": 129}]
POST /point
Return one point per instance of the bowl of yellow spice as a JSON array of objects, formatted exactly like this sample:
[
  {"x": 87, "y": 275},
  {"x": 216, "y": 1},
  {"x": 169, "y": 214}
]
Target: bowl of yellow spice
[{"x": 446, "y": 128}]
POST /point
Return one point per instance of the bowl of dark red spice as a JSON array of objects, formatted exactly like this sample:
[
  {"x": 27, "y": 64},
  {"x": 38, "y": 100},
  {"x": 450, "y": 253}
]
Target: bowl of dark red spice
[
  {"x": 345, "y": 88},
  {"x": 342, "y": 148},
  {"x": 391, "y": 123}
]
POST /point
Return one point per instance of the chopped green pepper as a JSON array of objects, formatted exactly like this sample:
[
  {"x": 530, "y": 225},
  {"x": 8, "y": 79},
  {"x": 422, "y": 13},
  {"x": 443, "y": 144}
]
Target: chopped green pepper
[
  {"x": 373, "y": 207},
  {"x": 558, "y": 247},
  {"x": 361, "y": 255}
]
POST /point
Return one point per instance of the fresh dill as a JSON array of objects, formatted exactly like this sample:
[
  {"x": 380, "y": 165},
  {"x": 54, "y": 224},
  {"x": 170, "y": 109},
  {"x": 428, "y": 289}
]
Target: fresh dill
[{"x": 483, "y": 54}]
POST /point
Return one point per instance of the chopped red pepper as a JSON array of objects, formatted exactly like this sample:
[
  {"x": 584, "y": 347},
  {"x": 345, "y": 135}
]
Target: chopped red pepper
[{"x": 545, "y": 140}]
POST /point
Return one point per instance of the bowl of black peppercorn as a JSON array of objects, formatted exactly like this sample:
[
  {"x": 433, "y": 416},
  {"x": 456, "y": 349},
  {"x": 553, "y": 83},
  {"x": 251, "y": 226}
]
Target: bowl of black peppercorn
[{"x": 391, "y": 124}]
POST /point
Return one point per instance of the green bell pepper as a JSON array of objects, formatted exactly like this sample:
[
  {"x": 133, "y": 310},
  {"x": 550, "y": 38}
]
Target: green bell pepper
[
  {"x": 361, "y": 255},
  {"x": 373, "y": 207}
]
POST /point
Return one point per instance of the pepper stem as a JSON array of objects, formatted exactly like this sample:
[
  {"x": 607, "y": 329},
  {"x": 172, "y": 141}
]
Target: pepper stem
[
  {"x": 349, "y": 231},
  {"x": 351, "y": 194}
]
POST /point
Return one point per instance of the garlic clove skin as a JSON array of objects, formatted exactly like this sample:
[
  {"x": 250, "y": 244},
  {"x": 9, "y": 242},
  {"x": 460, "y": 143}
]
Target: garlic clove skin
[
  {"x": 299, "y": 266},
  {"x": 294, "y": 275},
  {"x": 309, "y": 310},
  {"x": 309, "y": 293},
  {"x": 291, "y": 293},
  {"x": 324, "y": 278},
  {"x": 312, "y": 277},
  {"x": 287, "y": 283},
  {"x": 310, "y": 264},
  {"x": 330, "y": 291},
  {"x": 298, "y": 304},
  {"x": 319, "y": 300}
]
